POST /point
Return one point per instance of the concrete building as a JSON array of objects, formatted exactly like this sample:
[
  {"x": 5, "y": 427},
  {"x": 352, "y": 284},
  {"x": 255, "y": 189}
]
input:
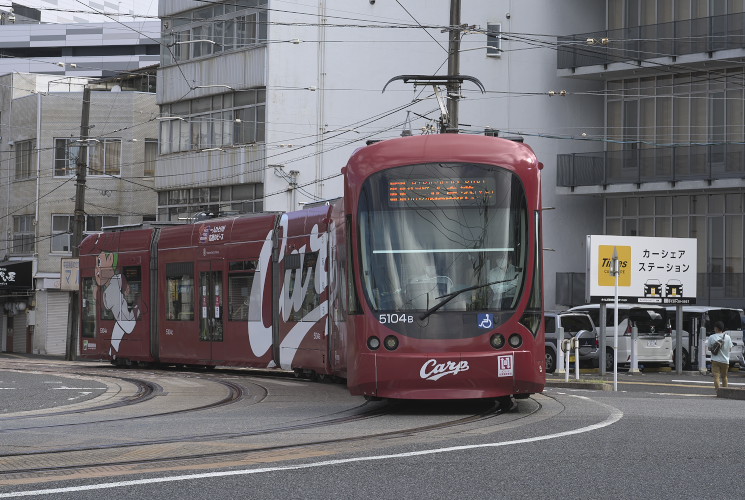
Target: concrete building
[
  {"x": 266, "y": 100},
  {"x": 40, "y": 129},
  {"x": 78, "y": 11},
  {"x": 79, "y": 50},
  {"x": 669, "y": 158}
]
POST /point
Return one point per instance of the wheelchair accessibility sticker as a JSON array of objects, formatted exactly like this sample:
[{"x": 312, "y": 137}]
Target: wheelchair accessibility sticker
[{"x": 486, "y": 320}]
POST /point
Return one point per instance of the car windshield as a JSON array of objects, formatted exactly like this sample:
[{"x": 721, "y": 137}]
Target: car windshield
[
  {"x": 575, "y": 323},
  {"x": 649, "y": 320},
  {"x": 443, "y": 237},
  {"x": 730, "y": 318}
]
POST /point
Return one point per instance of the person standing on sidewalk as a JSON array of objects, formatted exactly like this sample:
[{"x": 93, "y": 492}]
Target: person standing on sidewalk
[{"x": 720, "y": 360}]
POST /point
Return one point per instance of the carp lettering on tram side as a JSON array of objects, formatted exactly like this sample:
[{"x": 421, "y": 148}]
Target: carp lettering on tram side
[{"x": 422, "y": 282}]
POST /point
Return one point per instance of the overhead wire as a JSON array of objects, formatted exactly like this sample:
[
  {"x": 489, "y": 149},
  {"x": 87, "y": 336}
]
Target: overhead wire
[{"x": 419, "y": 25}]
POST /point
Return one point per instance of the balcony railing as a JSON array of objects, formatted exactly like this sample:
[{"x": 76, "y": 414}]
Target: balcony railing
[
  {"x": 640, "y": 43},
  {"x": 713, "y": 289},
  {"x": 673, "y": 164}
]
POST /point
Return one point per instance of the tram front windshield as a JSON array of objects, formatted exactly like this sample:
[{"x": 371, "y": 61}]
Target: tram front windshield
[{"x": 439, "y": 238}]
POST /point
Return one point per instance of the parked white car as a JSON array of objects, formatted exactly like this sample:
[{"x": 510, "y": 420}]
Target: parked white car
[{"x": 654, "y": 345}]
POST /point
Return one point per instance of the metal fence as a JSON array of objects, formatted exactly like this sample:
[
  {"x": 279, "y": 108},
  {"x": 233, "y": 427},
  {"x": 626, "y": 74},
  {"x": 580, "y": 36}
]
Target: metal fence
[
  {"x": 639, "y": 43},
  {"x": 674, "y": 163}
]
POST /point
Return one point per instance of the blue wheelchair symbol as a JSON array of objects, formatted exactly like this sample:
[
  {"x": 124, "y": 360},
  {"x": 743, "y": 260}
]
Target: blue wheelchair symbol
[{"x": 486, "y": 320}]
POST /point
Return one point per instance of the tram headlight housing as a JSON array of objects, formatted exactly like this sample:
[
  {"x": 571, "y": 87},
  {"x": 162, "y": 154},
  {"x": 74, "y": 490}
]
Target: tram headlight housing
[
  {"x": 373, "y": 343},
  {"x": 497, "y": 341},
  {"x": 391, "y": 343},
  {"x": 515, "y": 340}
]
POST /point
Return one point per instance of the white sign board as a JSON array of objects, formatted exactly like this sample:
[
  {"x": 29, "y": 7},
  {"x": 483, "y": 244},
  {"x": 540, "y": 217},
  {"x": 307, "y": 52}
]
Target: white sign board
[
  {"x": 652, "y": 270},
  {"x": 70, "y": 274}
]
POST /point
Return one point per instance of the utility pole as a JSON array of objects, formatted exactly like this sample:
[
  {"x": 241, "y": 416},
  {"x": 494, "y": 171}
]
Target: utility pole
[
  {"x": 453, "y": 81},
  {"x": 78, "y": 221},
  {"x": 453, "y": 87}
]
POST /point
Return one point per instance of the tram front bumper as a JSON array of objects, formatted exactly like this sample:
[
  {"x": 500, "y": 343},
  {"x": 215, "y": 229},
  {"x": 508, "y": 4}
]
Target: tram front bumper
[{"x": 447, "y": 375}]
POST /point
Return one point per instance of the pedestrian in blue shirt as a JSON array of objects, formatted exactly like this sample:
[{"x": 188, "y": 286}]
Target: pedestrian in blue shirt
[{"x": 720, "y": 360}]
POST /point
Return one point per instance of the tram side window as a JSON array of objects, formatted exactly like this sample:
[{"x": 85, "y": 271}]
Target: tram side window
[
  {"x": 89, "y": 309},
  {"x": 180, "y": 289},
  {"x": 306, "y": 278},
  {"x": 132, "y": 287},
  {"x": 240, "y": 282}
]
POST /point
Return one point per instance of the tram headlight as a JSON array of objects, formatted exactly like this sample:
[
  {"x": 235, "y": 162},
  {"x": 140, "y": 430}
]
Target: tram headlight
[
  {"x": 391, "y": 343},
  {"x": 373, "y": 343},
  {"x": 497, "y": 341},
  {"x": 515, "y": 340}
]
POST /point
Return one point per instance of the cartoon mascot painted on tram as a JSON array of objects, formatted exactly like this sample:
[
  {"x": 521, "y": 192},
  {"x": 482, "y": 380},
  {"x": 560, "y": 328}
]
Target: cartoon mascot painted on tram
[{"x": 114, "y": 291}]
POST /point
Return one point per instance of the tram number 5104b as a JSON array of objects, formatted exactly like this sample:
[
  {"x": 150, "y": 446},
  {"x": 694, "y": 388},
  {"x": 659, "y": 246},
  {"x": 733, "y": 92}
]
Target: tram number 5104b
[{"x": 395, "y": 318}]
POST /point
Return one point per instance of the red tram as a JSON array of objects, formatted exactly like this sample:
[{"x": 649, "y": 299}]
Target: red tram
[{"x": 423, "y": 282}]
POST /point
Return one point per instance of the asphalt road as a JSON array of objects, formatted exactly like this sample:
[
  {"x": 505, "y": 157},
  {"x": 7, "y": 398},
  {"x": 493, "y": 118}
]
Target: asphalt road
[
  {"x": 27, "y": 391},
  {"x": 659, "y": 436}
]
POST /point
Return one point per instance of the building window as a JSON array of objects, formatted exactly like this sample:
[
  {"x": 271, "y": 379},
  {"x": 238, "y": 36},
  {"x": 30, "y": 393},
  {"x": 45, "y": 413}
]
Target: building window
[
  {"x": 493, "y": 40},
  {"x": 24, "y": 159},
  {"x": 65, "y": 157},
  {"x": 151, "y": 157},
  {"x": 241, "y": 24},
  {"x": 63, "y": 227},
  {"x": 183, "y": 204},
  {"x": 98, "y": 222},
  {"x": 229, "y": 119},
  {"x": 103, "y": 156},
  {"x": 23, "y": 234}
]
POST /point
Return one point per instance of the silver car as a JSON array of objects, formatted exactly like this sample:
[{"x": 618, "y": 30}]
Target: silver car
[{"x": 574, "y": 324}]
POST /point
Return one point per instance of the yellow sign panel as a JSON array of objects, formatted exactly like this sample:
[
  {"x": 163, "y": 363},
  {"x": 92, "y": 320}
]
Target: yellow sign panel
[{"x": 605, "y": 258}]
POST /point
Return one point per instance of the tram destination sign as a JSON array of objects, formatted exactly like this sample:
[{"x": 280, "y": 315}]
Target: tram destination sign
[
  {"x": 651, "y": 270},
  {"x": 442, "y": 192}
]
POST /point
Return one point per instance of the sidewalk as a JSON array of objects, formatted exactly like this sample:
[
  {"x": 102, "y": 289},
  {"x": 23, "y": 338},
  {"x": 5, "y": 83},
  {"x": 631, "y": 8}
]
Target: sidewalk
[{"x": 592, "y": 380}]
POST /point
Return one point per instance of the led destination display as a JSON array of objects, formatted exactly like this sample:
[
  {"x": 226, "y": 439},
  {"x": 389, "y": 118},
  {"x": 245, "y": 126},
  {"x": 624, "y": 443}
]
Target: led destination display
[{"x": 446, "y": 192}]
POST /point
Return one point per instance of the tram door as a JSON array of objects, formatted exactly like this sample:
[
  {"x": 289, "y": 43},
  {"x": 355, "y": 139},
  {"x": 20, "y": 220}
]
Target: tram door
[{"x": 210, "y": 296}]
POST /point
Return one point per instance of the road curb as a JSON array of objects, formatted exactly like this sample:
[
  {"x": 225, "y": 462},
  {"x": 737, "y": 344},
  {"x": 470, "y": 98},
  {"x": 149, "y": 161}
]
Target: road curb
[
  {"x": 592, "y": 386},
  {"x": 731, "y": 393}
]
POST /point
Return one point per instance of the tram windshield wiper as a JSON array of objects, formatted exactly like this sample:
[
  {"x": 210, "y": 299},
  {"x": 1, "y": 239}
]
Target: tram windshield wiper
[{"x": 450, "y": 296}]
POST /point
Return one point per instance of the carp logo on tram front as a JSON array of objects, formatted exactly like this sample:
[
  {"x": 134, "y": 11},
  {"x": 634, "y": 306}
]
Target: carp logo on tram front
[{"x": 432, "y": 370}]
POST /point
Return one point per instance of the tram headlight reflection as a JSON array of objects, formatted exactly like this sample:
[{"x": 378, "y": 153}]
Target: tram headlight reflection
[
  {"x": 515, "y": 340},
  {"x": 391, "y": 343},
  {"x": 373, "y": 343},
  {"x": 497, "y": 341}
]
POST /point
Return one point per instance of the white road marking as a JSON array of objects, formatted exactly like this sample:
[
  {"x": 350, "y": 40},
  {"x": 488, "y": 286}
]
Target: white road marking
[
  {"x": 706, "y": 382},
  {"x": 84, "y": 393},
  {"x": 292, "y": 383},
  {"x": 79, "y": 388},
  {"x": 684, "y": 395},
  {"x": 615, "y": 416}
]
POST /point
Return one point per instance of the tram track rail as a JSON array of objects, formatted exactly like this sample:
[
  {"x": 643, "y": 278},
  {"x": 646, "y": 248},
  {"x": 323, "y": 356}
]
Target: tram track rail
[
  {"x": 187, "y": 456},
  {"x": 211, "y": 450},
  {"x": 146, "y": 391}
]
